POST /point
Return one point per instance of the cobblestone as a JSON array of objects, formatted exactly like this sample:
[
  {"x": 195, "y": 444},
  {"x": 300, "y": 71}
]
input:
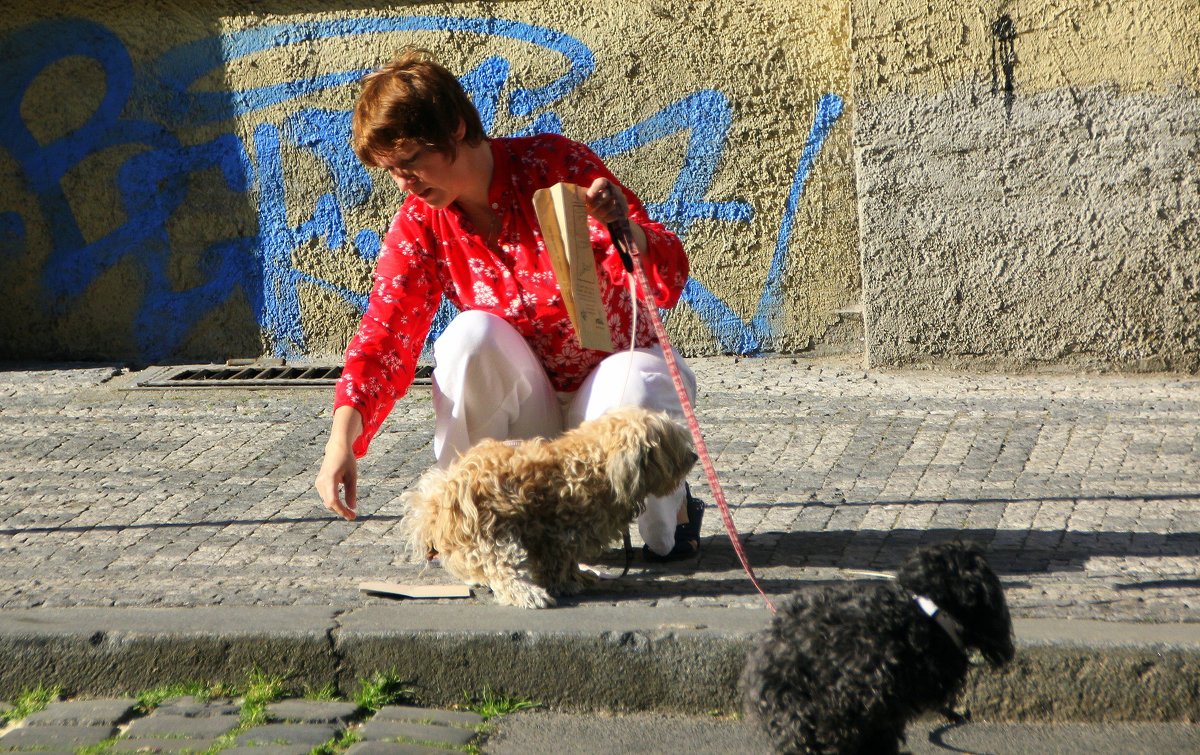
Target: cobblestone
[
  {"x": 160, "y": 725},
  {"x": 190, "y": 707},
  {"x": 1084, "y": 489},
  {"x": 312, "y": 711},
  {"x": 104, "y": 713},
  {"x": 393, "y": 748},
  {"x": 164, "y": 746},
  {"x": 190, "y": 725},
  {"x": 309, "y": 735},
  {"x": 378, "y": 731},
  {"x": 463, "y": 719},
  {"x": 54, "y": 737}
]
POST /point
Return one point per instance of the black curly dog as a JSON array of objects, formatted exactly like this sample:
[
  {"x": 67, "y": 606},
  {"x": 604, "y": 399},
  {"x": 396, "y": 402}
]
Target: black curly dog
[{"x": 844, "y": 669}]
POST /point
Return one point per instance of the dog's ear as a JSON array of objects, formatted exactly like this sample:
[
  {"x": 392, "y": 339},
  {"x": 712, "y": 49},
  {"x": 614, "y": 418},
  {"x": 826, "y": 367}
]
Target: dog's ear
[
  {"x": 624, "y": 469},
  {"x": 672, "y": 456},
  {"x": 627, "y": 442}
]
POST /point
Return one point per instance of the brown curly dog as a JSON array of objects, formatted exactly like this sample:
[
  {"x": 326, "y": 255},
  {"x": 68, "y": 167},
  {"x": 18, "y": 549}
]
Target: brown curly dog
[{"x": 520, "y": 518}]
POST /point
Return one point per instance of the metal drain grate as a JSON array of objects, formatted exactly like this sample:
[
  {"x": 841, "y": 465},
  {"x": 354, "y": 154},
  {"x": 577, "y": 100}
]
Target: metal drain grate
[{"x": 257, "y": 376}]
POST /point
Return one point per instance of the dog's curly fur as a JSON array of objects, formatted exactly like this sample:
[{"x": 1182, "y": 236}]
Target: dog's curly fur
[
  {"x": 520, "y": 518},
  {"x": 843, "y": 669}
]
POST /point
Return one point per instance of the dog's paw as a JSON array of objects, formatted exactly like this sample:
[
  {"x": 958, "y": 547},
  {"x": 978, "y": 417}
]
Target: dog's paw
[
  {"x": 575, "y": 583},
  {"x": 566, "y": 588},
  {"x": 522, "y": 595}
]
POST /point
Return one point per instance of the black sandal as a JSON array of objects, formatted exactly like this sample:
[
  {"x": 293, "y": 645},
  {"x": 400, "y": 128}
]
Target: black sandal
[{"x": 687, "y": 534}]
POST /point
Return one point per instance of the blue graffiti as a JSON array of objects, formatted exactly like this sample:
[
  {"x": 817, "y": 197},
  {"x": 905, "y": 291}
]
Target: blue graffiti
[
  {"x": 484, "y": 85},
  {"x": 307, "y": 129},
  {"x": 151, "y": 185},
  {"x": 734, "y": 335},
  {"x": 146, "y": 106},
  {"x": 177, "y": 70},
  {"x": 707, "y": 116}
]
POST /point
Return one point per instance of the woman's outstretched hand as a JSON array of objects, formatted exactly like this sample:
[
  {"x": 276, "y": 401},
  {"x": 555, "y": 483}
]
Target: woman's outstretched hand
[{"x": 339, "y": 469}]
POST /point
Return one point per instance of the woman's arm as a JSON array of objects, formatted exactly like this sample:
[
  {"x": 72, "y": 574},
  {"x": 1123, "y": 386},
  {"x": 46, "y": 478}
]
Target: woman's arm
[
  {"x": 662, "y": 251},
  {"x": 380, "y": 362},
  {"x": 339, "y": 468},
  {"x": 381, "y": 359}
]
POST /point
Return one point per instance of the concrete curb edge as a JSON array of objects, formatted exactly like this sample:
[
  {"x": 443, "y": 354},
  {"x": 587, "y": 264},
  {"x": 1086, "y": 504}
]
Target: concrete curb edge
[{"x": 662, "y": 658}]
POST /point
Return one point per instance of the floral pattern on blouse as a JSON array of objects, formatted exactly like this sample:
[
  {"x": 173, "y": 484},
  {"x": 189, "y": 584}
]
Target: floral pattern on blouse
[{"x": 428, "y": 253}]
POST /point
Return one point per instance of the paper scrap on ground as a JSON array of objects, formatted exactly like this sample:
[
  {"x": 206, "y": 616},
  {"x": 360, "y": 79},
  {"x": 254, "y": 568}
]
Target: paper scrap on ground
[
  {"x": 563, "y": 218},
  {"x": 416, "y": 591},
  {"x": 599, "y": 572}
]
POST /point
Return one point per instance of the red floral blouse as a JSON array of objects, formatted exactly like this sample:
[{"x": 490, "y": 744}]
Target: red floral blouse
[{"x": 429, "y": 252}]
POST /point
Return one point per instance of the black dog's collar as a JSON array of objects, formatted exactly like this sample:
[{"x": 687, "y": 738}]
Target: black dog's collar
[{"x": 944, "y": 620}]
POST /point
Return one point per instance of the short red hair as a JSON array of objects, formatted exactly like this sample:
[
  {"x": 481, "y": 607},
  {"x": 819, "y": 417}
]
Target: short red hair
[{"x": 412, "y": 99}]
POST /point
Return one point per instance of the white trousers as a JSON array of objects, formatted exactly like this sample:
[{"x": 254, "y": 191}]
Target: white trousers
[{"x": 487, "y": 383}]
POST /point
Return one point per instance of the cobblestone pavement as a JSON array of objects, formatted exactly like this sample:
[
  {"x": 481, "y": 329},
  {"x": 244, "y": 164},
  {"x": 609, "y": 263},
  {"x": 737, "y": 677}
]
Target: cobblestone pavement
[
  {"x": 288, "y": 727},
  {"x": 298, "y": 727},
  {"x": 1085, "y": 490}
]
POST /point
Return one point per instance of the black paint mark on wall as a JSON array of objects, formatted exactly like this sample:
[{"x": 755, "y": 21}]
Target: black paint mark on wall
[{"x": 1004, "y": 58}]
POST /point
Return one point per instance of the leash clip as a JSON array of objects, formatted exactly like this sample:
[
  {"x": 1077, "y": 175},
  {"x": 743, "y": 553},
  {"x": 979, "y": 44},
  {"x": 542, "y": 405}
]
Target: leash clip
[{"x": 622, "y": 238}]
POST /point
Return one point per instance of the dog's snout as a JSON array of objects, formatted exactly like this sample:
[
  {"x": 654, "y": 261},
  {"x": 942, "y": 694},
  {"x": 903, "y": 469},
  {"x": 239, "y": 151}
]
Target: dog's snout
[
  {"x": 692, "y": 458},
  {"x": 1001, "y": 653}
]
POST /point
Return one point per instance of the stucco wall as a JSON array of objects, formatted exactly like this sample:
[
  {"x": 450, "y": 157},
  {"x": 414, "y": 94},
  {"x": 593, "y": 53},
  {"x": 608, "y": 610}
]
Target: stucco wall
[
  {"x": 175, "y": 179},
  {"x": 1029, "y": 182}
]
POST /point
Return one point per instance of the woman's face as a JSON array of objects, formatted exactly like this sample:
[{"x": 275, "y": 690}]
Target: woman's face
[{"x": 426, "y": 172}]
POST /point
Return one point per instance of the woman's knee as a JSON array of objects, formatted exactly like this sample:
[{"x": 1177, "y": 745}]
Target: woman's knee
[
  {"x": 472, "y": 332},
  {"x": 639, "y": 378}
]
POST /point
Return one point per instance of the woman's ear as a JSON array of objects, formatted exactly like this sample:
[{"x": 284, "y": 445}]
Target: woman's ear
[{"x": 460, "y": 132}]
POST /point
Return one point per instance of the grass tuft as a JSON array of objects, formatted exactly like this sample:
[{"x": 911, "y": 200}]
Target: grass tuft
[
  {"x": 261, "y": 690},
  {"x": 156, "y": 696},
  {"x": 341, "y": 743},
  {"x": 31, "y": 701},
  {"x": 383, "y": 688},
  {"x": 100, "y": 748},
  {"x": 490, "y": 705},
  {"x": 328, "y": 693}
]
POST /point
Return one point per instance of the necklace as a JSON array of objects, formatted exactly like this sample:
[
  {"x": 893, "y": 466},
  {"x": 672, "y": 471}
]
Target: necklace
[
  {"x": 485, "y": 220},
  {"x": 493, "y": 235},
  {"x": 489, "y": 229}
]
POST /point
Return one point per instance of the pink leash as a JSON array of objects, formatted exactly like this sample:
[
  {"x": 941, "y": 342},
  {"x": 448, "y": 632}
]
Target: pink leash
[{"x": 632, "y": 258}]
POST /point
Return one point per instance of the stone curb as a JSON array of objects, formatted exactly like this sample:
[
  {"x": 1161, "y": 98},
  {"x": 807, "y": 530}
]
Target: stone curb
[{"x": 584, "y": 658}]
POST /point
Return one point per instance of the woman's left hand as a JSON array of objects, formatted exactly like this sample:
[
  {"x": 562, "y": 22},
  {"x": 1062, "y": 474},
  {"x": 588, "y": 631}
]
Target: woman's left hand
[{"x": 605, "y": 201}]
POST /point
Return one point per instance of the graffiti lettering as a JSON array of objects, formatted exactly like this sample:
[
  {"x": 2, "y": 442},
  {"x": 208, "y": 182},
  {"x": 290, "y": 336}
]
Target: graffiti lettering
[{"x": 145, "y": 106}]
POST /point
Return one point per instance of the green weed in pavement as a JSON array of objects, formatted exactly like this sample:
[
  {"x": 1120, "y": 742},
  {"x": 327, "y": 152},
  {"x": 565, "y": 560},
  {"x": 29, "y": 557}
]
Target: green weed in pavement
[
  {"x": 326, "y": 694},
  {"x": 338, "y": 744},
  {"x": 150, "y": 699},
  {"x": 261, "y": 691},
  {"x": 31, "y": 701},
  {"x": 383, "y": 688},
  {"x": 100, "y": 748},
  {"x": 490, "y": 704}
]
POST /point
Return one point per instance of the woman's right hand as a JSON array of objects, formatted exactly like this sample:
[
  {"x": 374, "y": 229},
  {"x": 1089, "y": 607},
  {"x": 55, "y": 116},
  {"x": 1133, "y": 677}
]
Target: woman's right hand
[{"x": 340, "y": 469}]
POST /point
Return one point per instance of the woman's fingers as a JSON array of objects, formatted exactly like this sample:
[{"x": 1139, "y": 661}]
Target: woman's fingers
[
  {"x": 605, "y": 201},
  {"x": 337, "y": 473}
]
